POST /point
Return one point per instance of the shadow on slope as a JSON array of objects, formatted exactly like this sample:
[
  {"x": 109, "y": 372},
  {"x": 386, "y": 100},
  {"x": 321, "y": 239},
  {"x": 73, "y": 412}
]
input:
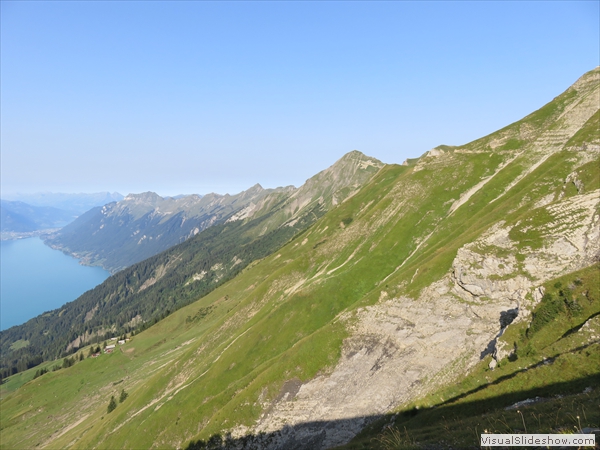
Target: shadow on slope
[
  {"x": 512, "y": 375},
  {"x": 556, "y": 407}
]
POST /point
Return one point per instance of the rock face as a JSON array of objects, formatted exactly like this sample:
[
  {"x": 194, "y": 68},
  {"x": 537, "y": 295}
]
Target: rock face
[
  {"x": 570, "y": 242},
  {"x": 399, "y": 350}
]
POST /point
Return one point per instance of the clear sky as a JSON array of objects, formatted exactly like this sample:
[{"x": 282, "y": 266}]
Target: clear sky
[{"x": 198, "y": 97}]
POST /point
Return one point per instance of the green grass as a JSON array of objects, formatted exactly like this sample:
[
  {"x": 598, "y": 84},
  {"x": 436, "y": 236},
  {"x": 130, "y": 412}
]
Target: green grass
[
  {"x": 477, "y": 215},
  {"x": 283, "y": 336},
  {"x": 454, "y": 427},
  {"x": 21, "y": 343},
  {"x": 528, "y": 232},
  {"x": 512, "y": 144},
  {"x": 280, "y": 334},
  {"x": 589, "y": 175}
]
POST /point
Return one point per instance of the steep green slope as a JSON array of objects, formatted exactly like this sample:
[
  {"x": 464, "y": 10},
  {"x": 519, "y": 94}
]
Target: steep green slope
[
  {"x": 390, "y": 296},
  {"x": 147, "y": 291}
]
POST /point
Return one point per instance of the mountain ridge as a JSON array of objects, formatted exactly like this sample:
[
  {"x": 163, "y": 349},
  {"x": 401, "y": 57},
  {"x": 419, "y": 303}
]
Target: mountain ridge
[
  {"x": 142, "y": 225},
  {"x": 75, "y": 203}
]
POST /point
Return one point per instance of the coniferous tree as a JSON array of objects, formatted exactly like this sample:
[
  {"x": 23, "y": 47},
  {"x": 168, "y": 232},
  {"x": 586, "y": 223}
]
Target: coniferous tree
[{"x": 112, "y": 404}]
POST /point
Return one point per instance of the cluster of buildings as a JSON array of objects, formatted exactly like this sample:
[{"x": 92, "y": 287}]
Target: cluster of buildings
[{"x": 111, "y": 347}]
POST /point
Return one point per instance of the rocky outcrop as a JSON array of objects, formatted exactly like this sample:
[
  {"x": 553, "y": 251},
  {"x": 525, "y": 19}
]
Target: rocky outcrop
[{"x": 488, "y": 268}]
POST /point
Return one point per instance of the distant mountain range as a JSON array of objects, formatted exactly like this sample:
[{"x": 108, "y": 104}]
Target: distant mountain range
[
  {"x": 24, "y": 215},
  {"x": 123, "y": 233},
  {"x": 74, "y": 203},
  {"x": 21, "y": 217},
  {"x": 263, "y": 221}
]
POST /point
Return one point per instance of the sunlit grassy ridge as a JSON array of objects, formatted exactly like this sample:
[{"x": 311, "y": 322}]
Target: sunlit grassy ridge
[{"x": 218, "y": 364}]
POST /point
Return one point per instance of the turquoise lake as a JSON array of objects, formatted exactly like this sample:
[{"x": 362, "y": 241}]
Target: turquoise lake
[{"x": 35, "y": 278}]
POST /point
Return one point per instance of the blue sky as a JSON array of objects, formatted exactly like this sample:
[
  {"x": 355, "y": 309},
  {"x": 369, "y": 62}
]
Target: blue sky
[{"x": 182, "y": 97}]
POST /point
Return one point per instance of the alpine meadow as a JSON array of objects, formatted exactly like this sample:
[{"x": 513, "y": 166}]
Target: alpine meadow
[{"x": 379, "y": 306}]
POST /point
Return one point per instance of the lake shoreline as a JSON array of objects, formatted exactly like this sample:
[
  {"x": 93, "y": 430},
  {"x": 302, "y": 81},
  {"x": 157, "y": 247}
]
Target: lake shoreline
[{"x": 16, "y": 235}]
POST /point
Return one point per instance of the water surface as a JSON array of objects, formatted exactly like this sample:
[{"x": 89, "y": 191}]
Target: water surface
[{"x": 35, "y": 278}]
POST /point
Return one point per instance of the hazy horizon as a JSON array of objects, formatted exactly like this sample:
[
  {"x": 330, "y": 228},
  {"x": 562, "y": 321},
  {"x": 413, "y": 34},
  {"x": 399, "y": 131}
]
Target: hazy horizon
[{"x": 17, "y": 194}]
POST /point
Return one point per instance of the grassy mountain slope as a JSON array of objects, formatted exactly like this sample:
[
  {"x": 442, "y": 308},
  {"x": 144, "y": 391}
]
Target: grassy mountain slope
[
  {"x": 147, "y": 291},
  {"x": 389, "y": 297}
]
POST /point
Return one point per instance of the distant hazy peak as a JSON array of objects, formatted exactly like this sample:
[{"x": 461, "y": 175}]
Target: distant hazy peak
[
  {"x": 194, "y": 197},
  {"x": 144, "y": 197},
  {"x": 76, "y": 203}
]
